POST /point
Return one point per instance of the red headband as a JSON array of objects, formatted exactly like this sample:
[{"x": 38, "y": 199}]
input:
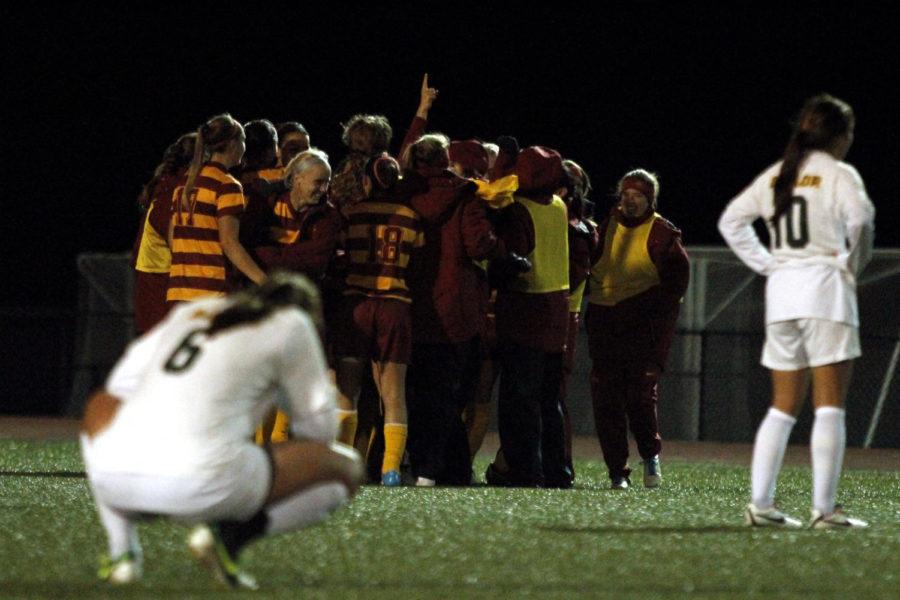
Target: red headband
[{"x": 639, "y": 184}]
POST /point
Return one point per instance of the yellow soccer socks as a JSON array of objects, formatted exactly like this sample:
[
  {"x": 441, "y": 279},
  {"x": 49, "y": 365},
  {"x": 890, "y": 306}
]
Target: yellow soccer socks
[
  {"x": 276, "y": 428},
  {"x": 394, "y": 446}
]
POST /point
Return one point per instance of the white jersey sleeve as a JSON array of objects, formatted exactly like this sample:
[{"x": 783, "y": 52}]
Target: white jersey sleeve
[
  {"x": 858, "y": 213},
  {"x": 129, "y": 373},
  {"x": 306, "y": 389},
  {"x": 736, "y": 225}
]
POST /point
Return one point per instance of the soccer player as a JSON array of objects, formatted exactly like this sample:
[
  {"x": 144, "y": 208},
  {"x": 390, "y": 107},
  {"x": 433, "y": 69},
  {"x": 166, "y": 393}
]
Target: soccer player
[
  {"x": 261, "y": 179},
  {"x": 382, "y": 233},
  {"x": 292, "y": 140},
  {"x": 303, "y": 227},
  {"x": 152, "y": 258},
  {"x": 639, "y": 274},
  {"x": 205, "y": 229},
  {"x": 171, "y": 433},
  {"x": 821, "y": 225}
]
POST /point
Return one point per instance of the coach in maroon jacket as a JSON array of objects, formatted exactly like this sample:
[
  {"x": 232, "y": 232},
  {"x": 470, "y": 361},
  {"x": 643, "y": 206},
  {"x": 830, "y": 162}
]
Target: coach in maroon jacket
[{"x": 448, "y": 312}]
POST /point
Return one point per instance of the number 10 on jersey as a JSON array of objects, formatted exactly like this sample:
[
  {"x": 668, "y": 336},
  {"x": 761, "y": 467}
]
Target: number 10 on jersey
[{"x": 795, "y": 223}]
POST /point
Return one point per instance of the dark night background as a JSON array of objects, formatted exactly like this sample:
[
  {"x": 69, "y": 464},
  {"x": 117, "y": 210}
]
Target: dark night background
[{"x": 701, "y": 94}]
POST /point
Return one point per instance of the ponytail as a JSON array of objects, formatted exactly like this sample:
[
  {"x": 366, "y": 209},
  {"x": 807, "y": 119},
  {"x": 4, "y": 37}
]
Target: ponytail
[
  {"x": 212, "y": 136},
  {"x": 797, "y": 149},
  {"x": 197, "y": 161},
  {"x": 176, "y": 157},
  {"x": 822, "y": 122},
  {"x": 281, "y": 289}
]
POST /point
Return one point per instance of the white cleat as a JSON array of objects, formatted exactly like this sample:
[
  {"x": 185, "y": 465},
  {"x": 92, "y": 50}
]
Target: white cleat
[
  {"x": 122, "y": 571},
  {"x": 425, "y": 482},
  {"x": 837, "y": 519},
  {"x": 209, "y": 550},
  {"x": 769, "y": 517}
]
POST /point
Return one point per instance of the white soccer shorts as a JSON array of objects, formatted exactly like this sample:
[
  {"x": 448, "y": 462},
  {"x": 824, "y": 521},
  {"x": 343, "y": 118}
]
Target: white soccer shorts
[
  {"x": 233, "y": 491},
  {"x": 801, "y": 343}
]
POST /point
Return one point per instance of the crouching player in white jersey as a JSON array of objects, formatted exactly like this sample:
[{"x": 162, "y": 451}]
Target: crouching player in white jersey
[
  {"x": 821, "y": 224},
  {"x": 172, "y": 433}
]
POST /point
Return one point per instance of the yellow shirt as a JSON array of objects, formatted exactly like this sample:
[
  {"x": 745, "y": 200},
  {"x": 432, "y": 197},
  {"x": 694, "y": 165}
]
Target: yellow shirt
[
  {"x": 625, "y": 268},
  {"x": 550, "y": 256},
  {"x": 153, "y": 254}
]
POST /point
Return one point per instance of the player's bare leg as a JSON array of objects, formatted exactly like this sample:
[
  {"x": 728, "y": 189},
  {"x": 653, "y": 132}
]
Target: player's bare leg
[
  {"x": 348, "y": 379},
  {"x": 478, "y": 410},
  {"x": 390, "y": 377}
]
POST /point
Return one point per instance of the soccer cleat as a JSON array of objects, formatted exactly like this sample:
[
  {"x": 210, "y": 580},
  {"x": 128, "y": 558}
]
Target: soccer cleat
[
  {"x": 652, "y": 473},
  {"x": 390, "y": 479},
  {"x": 208, "y": 548},
  {"x": 620, "y": 483},
  {"x": 425, "y": 482},
  {"x": 123, "y": 570},
  {"x": 768, "y": 517},
  {"x": 835, "y": 520}
]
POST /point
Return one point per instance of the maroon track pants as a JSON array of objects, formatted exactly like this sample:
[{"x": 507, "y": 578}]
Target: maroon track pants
[{"x": 625, "y": 395}]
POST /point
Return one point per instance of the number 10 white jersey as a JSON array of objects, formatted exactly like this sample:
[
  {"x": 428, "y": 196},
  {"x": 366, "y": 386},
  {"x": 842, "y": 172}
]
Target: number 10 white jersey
[{"x": 817, "y": 247}]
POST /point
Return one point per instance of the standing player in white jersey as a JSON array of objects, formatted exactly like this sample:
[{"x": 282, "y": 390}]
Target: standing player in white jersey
[
  {"x": 172, "y": 433},
  {"x": 821, "y": 224}
]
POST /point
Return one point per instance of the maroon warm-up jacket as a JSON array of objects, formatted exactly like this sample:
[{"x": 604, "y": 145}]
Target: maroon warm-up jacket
[{"x": 449, "y": 301}]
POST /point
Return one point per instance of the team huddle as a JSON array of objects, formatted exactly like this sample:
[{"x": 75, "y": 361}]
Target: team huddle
[{"x": 375, "y": 305}]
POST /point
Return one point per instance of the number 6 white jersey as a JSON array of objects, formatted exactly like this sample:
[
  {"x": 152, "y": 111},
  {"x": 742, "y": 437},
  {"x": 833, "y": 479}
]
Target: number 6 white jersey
[
  {"x": 817, "y": 247},
  {"x": 190, "y": 400}
]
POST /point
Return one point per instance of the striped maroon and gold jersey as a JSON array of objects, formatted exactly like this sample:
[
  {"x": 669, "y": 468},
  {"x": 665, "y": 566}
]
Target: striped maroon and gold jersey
[
  {"x": 379, "y": 240},
  {"x": 198, "y": 263},
  {"x": 286, "y": 229}
]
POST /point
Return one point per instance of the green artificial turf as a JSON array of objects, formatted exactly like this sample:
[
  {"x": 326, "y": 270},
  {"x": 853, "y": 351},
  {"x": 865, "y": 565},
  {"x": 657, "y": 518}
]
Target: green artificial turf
[{"x": 685, "y": 539}]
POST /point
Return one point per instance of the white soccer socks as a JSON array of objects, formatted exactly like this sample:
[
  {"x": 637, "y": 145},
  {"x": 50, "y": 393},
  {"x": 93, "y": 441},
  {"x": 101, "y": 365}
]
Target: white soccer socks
[
  {"x": 768, "y": 454},
  {"x": 307, "y": 507},
  {"x": 827, "y": 443}
]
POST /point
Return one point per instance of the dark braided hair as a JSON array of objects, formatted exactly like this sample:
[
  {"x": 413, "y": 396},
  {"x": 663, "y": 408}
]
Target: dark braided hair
[
  {"x": 175, "y": 159},
  {"x": 823, "y": 120},
  {"x": 281, "y": 289}
]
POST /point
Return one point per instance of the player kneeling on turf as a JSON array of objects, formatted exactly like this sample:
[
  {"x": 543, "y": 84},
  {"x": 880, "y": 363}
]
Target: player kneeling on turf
[{"x": 172, "y": 434}]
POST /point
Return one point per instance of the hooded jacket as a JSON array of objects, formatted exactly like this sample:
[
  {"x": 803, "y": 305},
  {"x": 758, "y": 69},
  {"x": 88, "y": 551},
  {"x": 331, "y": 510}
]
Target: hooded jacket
[{"x": 449, "y": 297}]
